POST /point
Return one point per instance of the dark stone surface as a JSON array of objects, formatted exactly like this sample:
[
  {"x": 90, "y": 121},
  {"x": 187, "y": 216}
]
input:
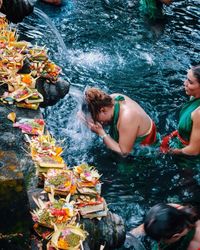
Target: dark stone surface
[
  {"x": 16, "y": 221},
  {"x": 52, "y": 91},
  {"x": 109, "y": 232}
]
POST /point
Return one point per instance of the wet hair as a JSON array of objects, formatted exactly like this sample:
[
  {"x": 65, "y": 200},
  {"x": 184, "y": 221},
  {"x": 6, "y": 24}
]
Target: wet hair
[
  {"x": 163, "y": 221},
  {"x": 196, "y": 72},
  {"x": 96, "y": 99}
]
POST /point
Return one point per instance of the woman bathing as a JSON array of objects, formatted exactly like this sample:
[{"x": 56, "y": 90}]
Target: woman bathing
[{"x": 129, "y": 123}]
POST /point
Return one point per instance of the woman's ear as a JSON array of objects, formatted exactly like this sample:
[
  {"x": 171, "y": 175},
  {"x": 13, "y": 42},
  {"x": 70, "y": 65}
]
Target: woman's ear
[
  {"x": 103, "y": 109},
  {"x": 179, "y": 235},
  {"x": 176, "y": 236}
]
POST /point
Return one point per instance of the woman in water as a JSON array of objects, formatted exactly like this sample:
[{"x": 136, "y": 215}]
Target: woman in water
[
  {"x": 174, "y": 227},
  {"x": 186, "y": 140},
  {"x": 129, "y": 123}
]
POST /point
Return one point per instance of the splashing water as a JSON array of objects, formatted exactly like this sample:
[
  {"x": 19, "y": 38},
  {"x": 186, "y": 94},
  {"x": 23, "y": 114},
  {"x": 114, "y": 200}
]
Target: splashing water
[{"x": 51, "y": 25}]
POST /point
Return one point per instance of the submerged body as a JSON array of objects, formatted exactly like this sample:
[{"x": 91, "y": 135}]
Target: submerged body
[{"x": 129, "y": 122}]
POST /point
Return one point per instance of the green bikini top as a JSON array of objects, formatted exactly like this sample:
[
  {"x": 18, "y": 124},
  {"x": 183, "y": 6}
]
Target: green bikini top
[
  {"x": 113, "y": 129},
  {"x": 181, "y": 244},
  {"x": 185, "y": 120}
]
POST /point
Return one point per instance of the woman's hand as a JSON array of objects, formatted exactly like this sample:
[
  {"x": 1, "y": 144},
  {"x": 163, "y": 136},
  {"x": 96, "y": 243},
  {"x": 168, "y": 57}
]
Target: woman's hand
[
  {"x": 175, "y": 151},
  {"x": 96, "y": 128}
]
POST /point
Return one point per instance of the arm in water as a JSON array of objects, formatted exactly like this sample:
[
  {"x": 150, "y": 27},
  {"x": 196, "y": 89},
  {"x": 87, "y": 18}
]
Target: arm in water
[{"x": 16, "y": 10}]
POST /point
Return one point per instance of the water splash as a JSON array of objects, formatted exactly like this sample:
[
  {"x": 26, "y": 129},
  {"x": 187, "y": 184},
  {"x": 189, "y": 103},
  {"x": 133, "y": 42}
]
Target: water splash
[{"x": 51, "y": 25}]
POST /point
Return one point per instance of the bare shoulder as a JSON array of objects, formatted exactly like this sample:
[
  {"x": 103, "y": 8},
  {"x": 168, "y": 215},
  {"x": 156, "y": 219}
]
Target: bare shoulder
[{"x": 196, "y": 115}]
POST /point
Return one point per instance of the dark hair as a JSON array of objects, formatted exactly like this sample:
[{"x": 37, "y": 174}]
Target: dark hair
[
  {"x": 95, "y": 100},
  {"x": 163, "y": 221},
  {"x": 196, "y": 72}
]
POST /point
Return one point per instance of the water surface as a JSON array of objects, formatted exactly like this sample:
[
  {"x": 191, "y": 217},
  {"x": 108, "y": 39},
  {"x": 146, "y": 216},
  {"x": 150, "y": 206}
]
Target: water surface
[{"x": 111, "y": 46}]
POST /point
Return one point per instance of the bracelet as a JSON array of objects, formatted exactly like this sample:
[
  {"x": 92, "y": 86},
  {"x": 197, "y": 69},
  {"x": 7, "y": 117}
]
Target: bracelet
[{"x": 103, "y": 136}]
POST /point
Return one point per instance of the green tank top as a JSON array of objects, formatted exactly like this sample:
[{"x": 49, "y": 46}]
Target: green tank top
[
  {"x": 113, "y": 129},
  {"x": 181, "y": 244},
  {"x": 185, "y": 120}
]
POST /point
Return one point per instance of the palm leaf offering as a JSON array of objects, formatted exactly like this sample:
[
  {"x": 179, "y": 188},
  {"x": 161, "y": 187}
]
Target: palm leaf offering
[
  {"x": 61, "y": 181},
  {"x": 46, "y": 153},
  {"x": 68, "y": 238},
  {"x": 30, "y": 126},
  {"x": 14, "y": 55},
  {"x": 57, "y": 212}
]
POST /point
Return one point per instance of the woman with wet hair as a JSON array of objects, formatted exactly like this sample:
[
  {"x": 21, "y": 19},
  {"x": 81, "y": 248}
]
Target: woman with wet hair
[
  {"x": 174, "y": 227},
  {"x": 129, "y": 123},
  {"x": 186, "y": 139}
]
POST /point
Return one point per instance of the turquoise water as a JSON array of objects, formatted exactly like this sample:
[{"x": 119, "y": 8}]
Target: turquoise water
[{"x": 111, "y": 46}]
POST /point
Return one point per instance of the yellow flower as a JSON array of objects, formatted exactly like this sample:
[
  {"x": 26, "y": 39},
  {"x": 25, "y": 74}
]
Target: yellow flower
[
  {"x": 62, "y": 244},
  {"x": 67, "y": 184}
]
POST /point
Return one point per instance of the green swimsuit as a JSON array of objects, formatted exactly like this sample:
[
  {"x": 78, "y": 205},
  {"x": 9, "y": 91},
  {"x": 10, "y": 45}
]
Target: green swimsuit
[
  {"x": 113, "y": 129},
  {"x": 185, "y": 123}
]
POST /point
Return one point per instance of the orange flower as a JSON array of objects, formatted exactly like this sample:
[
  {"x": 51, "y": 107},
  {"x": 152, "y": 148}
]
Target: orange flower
[
  {"x": 58, "y": 150},
  {"x": 27, "y": 79},
  {"x": 72, "y": 189},
  {"x": 62, "y": 243}
]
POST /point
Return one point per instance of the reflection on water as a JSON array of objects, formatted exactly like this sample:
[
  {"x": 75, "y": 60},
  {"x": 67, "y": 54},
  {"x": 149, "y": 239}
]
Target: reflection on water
[{"x": 110, "y": 46}]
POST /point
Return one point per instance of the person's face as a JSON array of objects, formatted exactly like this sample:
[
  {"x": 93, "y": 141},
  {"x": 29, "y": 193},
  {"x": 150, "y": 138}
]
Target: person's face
[
  {"x": 191, "y": 84},
  {"x": 105, "y": 115}
]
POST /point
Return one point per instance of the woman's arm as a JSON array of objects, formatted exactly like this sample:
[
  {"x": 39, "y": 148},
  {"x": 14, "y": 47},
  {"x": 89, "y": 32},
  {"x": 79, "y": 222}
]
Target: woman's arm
[
  {"x": 194, "y": 145},
  {"x": 127, "y": 128}
]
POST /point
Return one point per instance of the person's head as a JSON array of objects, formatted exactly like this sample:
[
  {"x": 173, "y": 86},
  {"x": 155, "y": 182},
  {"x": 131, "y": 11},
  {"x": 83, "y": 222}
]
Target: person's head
[
  {"x": 192, "y": 83},
  {"x": 168, "y": 224},
  {"x": 99, "y": 104}
]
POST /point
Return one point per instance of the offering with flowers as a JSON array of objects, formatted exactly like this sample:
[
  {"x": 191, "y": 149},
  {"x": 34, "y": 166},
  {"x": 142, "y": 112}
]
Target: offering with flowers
[
  {"x": 88, "y": 179},
  {"x": 21, "y": 94},
  {"x": 54, "y": 211},
  {"x": 68, "y": 237},
  {"x": 91, "y": 205},
  {"x": 51, "y": 71},
  {"x": 46, "y": 153},
  {"x": 61, "y": 181},
  {"x": 38, "y": 54},
  {"x": 87, "y": 175},
  {"x": 30, "y": 126}
]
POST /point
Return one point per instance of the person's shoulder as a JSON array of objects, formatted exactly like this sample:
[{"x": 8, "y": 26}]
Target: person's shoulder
[{"x": 196, "y": 114}]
